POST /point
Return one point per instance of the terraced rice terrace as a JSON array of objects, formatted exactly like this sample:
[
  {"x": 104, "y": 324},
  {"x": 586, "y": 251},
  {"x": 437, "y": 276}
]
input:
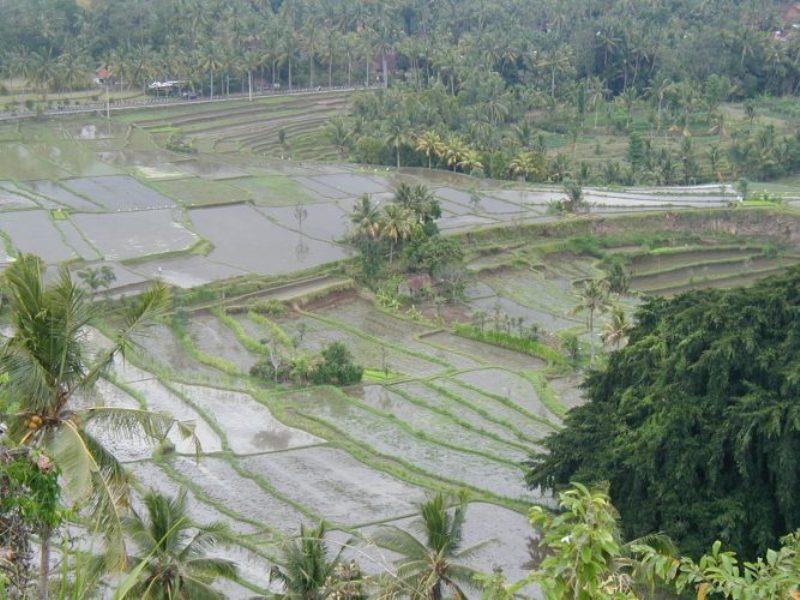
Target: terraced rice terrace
[{"x": 437, "y": 411}]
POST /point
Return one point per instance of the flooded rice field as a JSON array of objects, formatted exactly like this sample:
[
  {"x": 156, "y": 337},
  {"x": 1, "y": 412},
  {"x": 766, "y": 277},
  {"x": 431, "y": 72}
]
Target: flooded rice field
[{"x": 437, "y": 411}]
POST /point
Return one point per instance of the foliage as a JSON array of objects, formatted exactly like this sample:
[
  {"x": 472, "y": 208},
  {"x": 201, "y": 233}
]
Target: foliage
[
  {"x": 433, "y": 254},
  {"x": 701, "y": 404},
  {"x": 101, "y": 277},
  {"x": 306, "y": 568},
  {"x": 617, "y": 278},
  {"x": 270, "y": 307},
  {"x": 45, "y": 364},
  {"x": 428, "y": 567},
  {"x": 171, "y": 550},
  {"x": 530, "y": 346},
  {"x": 583, "y": 556},
  {"x": 336, "y": 367}
]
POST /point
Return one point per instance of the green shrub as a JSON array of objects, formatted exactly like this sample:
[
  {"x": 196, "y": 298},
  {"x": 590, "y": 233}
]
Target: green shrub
[
  {"x": 271, "y": 307},
  {"x": 337, "y": 367}
]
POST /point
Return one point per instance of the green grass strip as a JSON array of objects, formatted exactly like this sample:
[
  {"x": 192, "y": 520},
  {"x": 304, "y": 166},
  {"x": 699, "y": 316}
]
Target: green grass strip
[
  {"x": 482, "y": 412},
  {"x": 374, "y": 339},
  {"x": 239, "y": 331},
  {"x": 458, "y": 420},
  {"x": 391, "y": 465},
  {"x": 215, "y": 362},
  {"x": 422, "y": 435},
  {"x": 511, "y": 342},
  {"x": 507, "y": 402},
  {"x": 546, "y": 394}
]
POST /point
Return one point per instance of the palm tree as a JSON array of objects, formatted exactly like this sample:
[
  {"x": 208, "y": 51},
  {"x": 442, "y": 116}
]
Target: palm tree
[
  {"x": 171, "y": 552},
  {"x": 397, "y": 224},
  {"x": 420, "y": 201},
  {"x": 522, "y": 165},
  {"x": 430, "y": 144},
  {"x": 597, "y": 92},
  {"x": 45, "y": 365},
  {"x": 366, "y": 218},
  {"x": 428, "y": 568},
  {"x": 306, "y": 568},
  {"x": 593, "y": 299},
  {"x": 470, "y": 161},
  {"x": 615, "y": 331},
  {"x": 396, "y": 134},
  {"x": 338, "y": 134},
  {"x": 453, "y": 151}
]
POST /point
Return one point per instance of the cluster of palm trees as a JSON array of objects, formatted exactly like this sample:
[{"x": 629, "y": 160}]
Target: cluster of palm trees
[
  {"x": 431, "y": 566},
  {"x": 595, "y": 298},
  {"x": 412, "y": 211},
  {"x": 452, "y": 152}
]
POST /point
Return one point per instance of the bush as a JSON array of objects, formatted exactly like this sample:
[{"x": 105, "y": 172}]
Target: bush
[
  {"x": 337, "y": 367},
  {"x": 271, "y": 307},
  {"x": 264, "y": 370},
  {"x": 434, "y": 253}
]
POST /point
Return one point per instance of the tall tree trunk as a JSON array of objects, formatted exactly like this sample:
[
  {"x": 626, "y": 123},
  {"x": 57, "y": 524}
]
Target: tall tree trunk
[
  {"x": 250, "y": 85},
  {"x": 349, "y": 71},
  {"x": 311, "y": 71},
  {"x": 330, "y": 69},
  {"x": 591, "y": 335},
  {"x": 212, "y": 85},
  {"x": 385, "y": 68},
  {"x": 397, "y": 150},
  {"x": 367, "y": 72},
  {"x": 44, "y": 564},
  {"x": 290, "y": 74},
  {"x": 274, "y": 68}
]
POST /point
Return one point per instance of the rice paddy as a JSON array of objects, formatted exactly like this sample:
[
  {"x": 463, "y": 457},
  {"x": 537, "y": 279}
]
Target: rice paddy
[{"x": 246, "y": 218}]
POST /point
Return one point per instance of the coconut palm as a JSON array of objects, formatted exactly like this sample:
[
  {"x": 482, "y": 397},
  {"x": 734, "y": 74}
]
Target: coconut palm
[
  {"x": 430, "y": 144},
  {"x": 397, "y": 224},
  {"x": 366, "y": 218},
  {"x": 45, "y": 365},
  {"x": 420, "y": 201},
  {"x": 593, "y": 300},
  {"x": 454, "y": 149},
  {"x": 337, "y": 132},
  {"x": 470, "y": 161},
  {"x": 429, "y": 567},
  {"x": 615, "y": 331},
  {"x": 396, "y": 134},
  {"x": 306, "y": 566},
  {"x": 522, "y": 165},
  {"x": 171, "y": 552}
]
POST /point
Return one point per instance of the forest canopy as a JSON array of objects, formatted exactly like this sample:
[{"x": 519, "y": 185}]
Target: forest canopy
[
  {"x": 696, "y": 423},
  {"x": 637, "y": 43}
]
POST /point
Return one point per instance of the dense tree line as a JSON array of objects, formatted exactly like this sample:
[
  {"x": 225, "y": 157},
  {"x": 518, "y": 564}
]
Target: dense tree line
[
  {"x": 696, "y": 422},
  {"x": 544, "y": 46}
]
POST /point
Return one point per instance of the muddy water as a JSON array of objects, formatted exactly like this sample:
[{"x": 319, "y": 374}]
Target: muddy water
[
  {"x": 130, "y": 234},
  {"x": 248, "y": 425},
  {"x": 33, "y": 231},
  {"x": 224, "y": 486},
  {"x": 258, "y": 245},
  {"x": 511, "y": 386},
  {"x": 436, "y": 425},
  {"x": 118, "y": 192},
  {"x": 335, "y": 485}
]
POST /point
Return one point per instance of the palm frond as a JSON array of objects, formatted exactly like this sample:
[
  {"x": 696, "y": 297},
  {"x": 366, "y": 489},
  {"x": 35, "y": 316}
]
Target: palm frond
[
  {"x": 131, "y": 421},
  {"x": 212, "y": 568},
  {"x": 397, "y": 540}
]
